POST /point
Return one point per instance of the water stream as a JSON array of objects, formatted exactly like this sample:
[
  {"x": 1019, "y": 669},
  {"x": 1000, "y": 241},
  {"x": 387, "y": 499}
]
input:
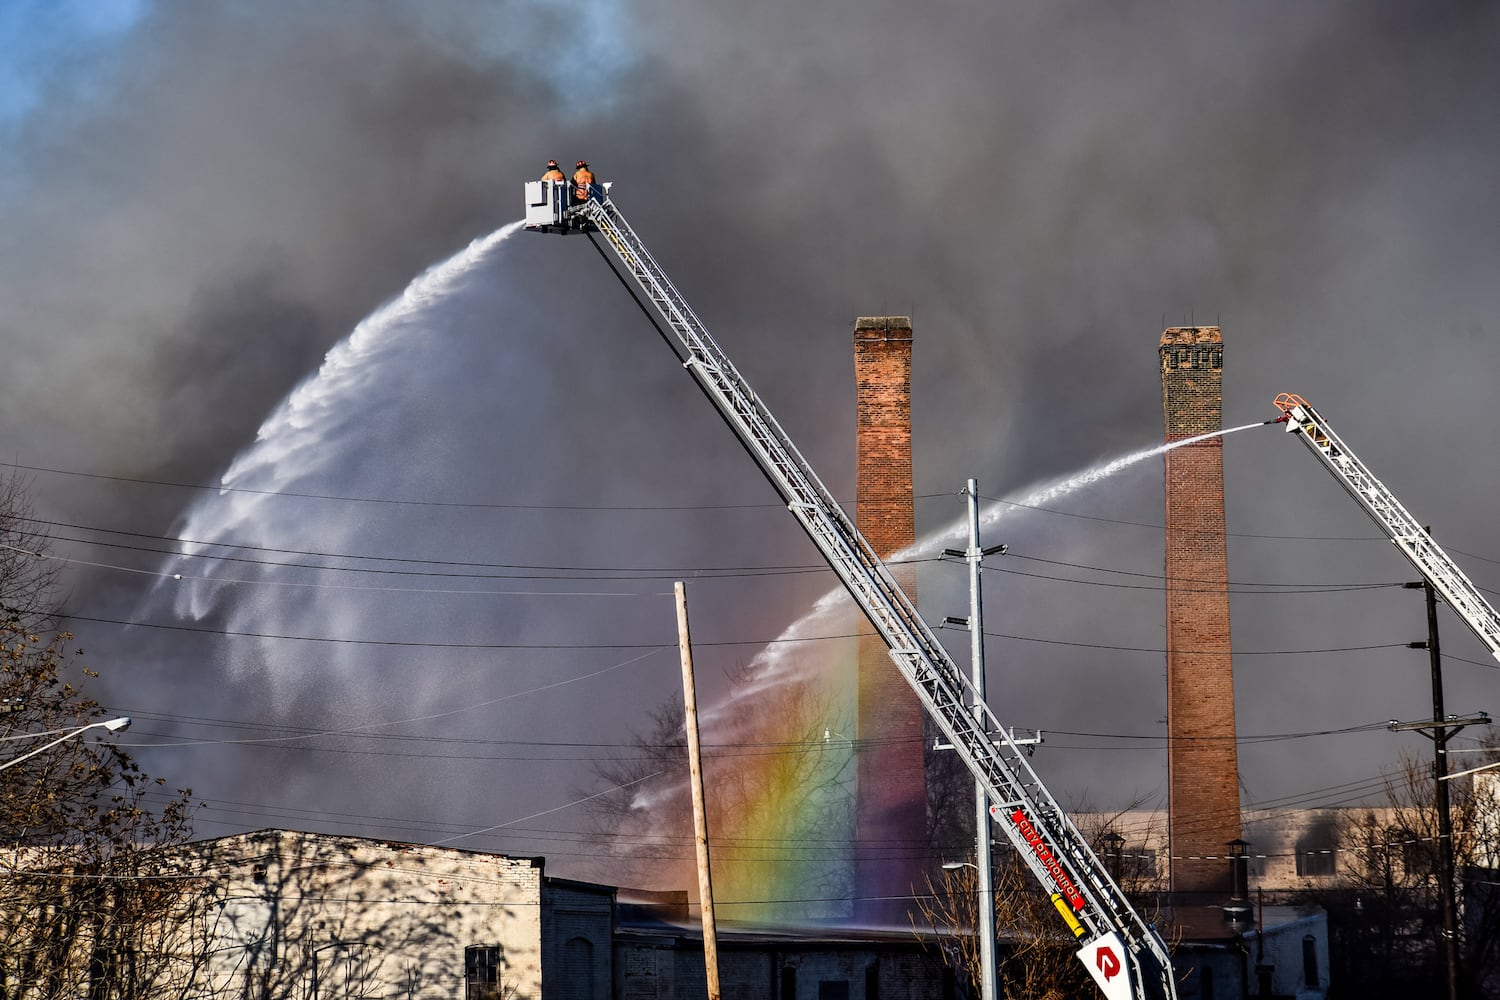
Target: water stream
[
  {"x": 829, "y": 613},
  {"x": 311, "y": 429}
]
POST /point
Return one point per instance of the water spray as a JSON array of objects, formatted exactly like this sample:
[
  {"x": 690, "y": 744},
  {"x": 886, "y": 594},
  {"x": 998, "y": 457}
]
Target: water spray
[{"x": 775, "y": 664}]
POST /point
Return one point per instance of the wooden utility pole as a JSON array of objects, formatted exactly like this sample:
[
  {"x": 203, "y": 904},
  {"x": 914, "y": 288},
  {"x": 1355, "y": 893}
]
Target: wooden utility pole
[
  {"x": 700, "y": 815},
  {"x": 1440, "y": 734},
  {"x": 1440, "y": 730}
]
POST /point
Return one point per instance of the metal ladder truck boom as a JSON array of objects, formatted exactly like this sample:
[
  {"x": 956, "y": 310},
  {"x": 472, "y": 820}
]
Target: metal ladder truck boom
[
  {"x": 1125, "y": 955},
  {"x": 1385, "y": 510}
]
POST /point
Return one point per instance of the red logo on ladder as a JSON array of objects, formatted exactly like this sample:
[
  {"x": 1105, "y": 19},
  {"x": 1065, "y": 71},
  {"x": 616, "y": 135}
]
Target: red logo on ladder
[{"x": 1107, "y": 962}]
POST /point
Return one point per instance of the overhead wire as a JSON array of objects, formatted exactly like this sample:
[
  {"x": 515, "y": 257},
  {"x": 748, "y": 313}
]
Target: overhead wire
[
  {"x": 1023, "y": 638},
  {"x": 713, "y": 749},
  {"x": 345, "y": 498},
  {"x": 768, "y": 848},
  {"x": 535, "y": 570},
  {"x": 708, "y": 643},
  {"x": 366, "y": 729},
  {"x": 491, "y": 505}
]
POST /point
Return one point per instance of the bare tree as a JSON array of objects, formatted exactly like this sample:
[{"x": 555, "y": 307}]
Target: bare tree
[
  {"x": 1388, "y": 914},
  {"x": 28, "y": 575},
  {"x": 1036, "y": 955},
  {"x": 84, "y": 877},
  {"x": 788, "y": 758},
  {"x": 84, "y": 883}
]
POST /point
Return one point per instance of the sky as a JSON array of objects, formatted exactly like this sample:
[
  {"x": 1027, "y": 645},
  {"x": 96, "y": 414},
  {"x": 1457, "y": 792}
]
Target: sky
[{"x": 202, "y": 201}]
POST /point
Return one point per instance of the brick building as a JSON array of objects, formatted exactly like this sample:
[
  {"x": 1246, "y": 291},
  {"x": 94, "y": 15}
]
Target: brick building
[
  {"x": 1202, "y": 762},
  {"x": 284, "y": 913},
  {"x": 658, "y": 960}
]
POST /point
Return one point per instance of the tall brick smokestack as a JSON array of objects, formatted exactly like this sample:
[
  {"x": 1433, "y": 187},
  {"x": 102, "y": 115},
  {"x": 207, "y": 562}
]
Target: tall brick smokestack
[
  {"x": 1203, "y": 809},
  {"x": 891, "y": 841}
]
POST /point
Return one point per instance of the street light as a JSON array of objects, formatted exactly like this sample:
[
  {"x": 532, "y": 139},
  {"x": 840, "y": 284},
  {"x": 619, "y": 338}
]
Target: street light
[
  {"x": 113, "y": 725},
  {"x": 986, "y": 908}
]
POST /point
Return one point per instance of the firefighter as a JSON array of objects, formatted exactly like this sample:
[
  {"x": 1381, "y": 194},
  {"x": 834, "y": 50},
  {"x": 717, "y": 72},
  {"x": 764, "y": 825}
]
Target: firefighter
[
  {"x": 554, "y": 172},
  {"x": 583, "y": 182}
]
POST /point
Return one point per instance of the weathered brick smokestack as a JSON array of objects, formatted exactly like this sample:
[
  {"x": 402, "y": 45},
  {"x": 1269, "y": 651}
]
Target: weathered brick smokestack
[
  {"x": 891, "y": 796},
  {"x": 1203, "y": 810}
]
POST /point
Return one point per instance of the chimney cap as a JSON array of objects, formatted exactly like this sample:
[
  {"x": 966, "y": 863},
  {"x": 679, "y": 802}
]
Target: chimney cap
[
  {"x": 883, "y": 323},
  {"x": 1191, "y": 335}
]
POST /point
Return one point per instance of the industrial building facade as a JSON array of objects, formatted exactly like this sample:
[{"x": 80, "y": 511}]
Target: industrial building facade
[{"x": 302, "y": 916}]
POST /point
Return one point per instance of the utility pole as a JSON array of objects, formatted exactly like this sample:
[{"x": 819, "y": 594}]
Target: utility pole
[
  {"x": 700, "y": 814},
  {"x": 1442, "y": 728},
  {"x": 985, "y": 888}
]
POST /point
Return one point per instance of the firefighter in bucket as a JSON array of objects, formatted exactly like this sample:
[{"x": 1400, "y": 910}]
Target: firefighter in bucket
[{"x": 584, "y": 186}]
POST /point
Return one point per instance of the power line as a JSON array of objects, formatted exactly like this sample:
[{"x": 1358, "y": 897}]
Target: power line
[
  {"x": 1161, "y": 527},
  {"x": 475, "y": 505},
  {"x": 489, "y": 505},
  {"x": 531, "y": 570},
  {"x": 649, "y": 572},
  {"x": 569, "y": 573},
  {"x": 368, "y": 731},
  {"x": 422, "y": 644}
]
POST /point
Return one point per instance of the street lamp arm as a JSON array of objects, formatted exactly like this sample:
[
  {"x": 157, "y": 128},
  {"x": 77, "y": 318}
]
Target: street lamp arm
[
  {"x": 45, "y": 732},
  {"x": 113, "y": 725},
  {"x": 1472, "y": 770}
]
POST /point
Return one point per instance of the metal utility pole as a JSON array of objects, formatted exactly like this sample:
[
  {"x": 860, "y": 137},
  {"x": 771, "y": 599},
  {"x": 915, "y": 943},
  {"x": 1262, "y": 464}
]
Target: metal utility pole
[
  {"x": 700, "y": 814},
  {"x": 985, "y": 888}
]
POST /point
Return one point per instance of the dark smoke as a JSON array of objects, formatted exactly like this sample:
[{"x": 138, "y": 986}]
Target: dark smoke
[{"x": 197, "y": 211}]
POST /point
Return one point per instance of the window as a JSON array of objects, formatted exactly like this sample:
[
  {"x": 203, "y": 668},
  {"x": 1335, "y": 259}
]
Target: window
[
  {"x": 1316, "y": 862},
  {"x": 1140, "y": 863},
  {"x": 1317, "y": 847},
  {"x": 872, "y": 981},
  {"x": 1310, "y": 961},
  {"x": 1418, "y": 854},
  {"x": 833, "y": 989},
  {"x": 482, "y": 972},
  {"x": 789, "y": 982}
]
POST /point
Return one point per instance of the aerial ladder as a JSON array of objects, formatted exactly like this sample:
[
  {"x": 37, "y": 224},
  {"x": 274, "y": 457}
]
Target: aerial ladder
[
  {"x": 1385, "y": 510},
  {"x": 1125, "y": 955}
]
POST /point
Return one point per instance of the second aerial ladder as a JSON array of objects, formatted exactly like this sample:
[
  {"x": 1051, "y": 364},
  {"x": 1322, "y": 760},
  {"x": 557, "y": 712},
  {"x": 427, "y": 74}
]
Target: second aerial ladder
[{"x": 1405, "y": 531}]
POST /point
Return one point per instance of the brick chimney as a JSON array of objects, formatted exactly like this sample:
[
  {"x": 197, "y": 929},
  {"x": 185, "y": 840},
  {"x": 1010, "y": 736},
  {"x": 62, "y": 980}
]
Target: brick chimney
[
  {"x": 891, "y": 840},
  {"x": 1203, "y": 809}
]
